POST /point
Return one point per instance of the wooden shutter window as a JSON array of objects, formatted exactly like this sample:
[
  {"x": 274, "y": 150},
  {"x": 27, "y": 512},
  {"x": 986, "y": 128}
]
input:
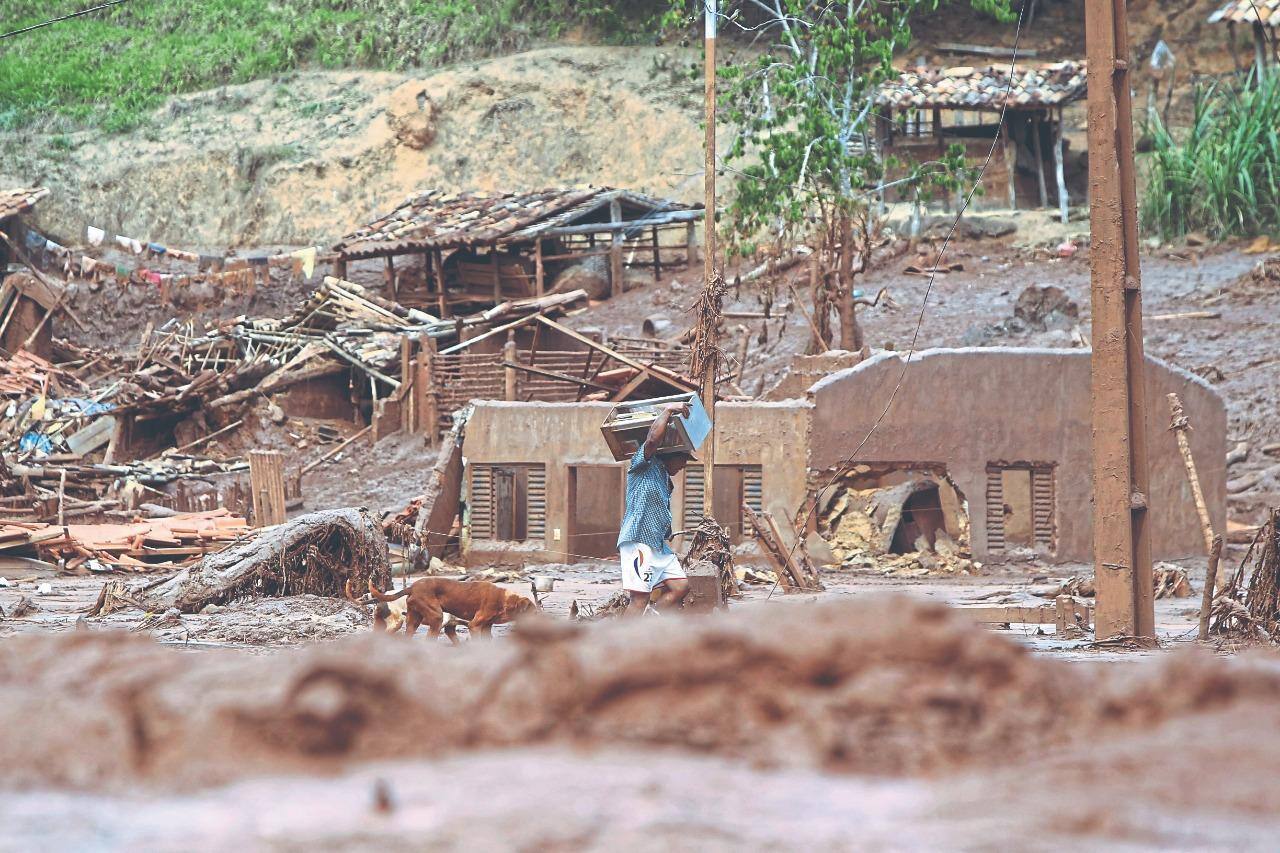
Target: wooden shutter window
[
  {"x": 752, "y": 493},
  {"x": 536, "y": 501},
  {"x": 481, "y": 501},
  {"x": 995, "y": 509},
  {"x": 1042, "y": 501}
]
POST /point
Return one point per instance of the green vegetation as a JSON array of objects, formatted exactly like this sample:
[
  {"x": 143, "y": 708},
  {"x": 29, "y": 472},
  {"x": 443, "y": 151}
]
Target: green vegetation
[
  {"x": 109, "y": 68},
  {"x": 1221, "y": 176},
  {"x": 803, "y": 171}
]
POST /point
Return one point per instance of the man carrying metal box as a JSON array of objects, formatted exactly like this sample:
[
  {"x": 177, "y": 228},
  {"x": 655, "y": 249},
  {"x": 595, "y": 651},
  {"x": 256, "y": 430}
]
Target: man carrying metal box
[{"x": 648, "y": 563}]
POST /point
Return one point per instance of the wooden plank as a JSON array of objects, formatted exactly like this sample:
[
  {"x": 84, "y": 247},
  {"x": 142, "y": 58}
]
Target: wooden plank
[
  {"x": 615, "y": 250},
  {"x": 539, "y": 275},
  {"x": 93, "y": 436},
  {"x": 266, "y": 480},
  {"x": 630, "y": 362},
  {"x": 551, "y": 374}
]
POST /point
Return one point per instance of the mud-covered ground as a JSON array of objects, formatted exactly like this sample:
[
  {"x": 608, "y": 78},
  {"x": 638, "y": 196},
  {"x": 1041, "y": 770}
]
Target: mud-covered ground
[{"x": 873, "y": 723}]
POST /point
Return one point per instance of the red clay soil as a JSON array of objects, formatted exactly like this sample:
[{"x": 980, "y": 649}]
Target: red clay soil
[{"x": 878, "y": 685}]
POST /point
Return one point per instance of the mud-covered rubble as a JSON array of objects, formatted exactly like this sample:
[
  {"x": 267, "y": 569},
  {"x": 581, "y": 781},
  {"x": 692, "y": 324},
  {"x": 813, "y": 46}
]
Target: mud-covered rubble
[
  {"x": 265, "y": 622},
  {"x": 872, "y": 525}
]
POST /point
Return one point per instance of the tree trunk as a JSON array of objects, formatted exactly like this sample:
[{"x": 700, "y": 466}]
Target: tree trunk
[
  {"x": 318, "y": 553},
  {"x": 819, "y": 297},
  {"x": 850, "y": 329}
]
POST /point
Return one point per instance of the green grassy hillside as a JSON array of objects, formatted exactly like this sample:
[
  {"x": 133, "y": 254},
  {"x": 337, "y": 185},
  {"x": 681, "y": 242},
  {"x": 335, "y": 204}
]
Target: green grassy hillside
[{"x": 108, "y": 68}]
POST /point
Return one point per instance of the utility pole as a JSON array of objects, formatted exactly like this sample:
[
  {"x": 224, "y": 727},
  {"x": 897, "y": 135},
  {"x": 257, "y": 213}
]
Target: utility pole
[
  {"x": 709, "y": 247},
  {"x": 1121, "y": 534}
]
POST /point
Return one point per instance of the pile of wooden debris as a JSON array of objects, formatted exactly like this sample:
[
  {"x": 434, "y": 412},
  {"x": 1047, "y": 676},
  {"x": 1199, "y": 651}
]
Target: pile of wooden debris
[
  {"x": 142, "y": 545},
  {"x": 1248, "y": 606}
]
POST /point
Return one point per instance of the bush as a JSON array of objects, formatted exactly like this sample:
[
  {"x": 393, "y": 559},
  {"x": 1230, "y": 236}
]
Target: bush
[
  {"x": 1222, "y": 177},
  {"x": 109, "y": 68}
]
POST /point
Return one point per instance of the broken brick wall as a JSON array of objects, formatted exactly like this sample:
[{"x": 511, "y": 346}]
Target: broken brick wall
[{"x": 980, "y": 411}]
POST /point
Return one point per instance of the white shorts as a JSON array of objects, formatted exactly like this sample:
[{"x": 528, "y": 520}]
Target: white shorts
[{"x": 642, "y": 570}]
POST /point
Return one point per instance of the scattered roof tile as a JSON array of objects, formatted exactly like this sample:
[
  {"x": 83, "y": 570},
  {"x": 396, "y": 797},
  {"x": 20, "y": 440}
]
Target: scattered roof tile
[
  {"x": 987, "y": 88},
  {"x": 1248, "y": 12},
  {"x": 14, "y": 202}
]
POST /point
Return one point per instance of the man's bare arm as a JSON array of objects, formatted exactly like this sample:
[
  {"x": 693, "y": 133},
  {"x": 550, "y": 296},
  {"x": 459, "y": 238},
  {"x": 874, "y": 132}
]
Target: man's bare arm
[{"x": 658, "y": 430}]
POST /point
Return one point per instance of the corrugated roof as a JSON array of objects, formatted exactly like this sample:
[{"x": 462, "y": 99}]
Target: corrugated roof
[
  {"x": 14, "y": 202},
  {"x": 439, "y": 220},
  {"x": 987, "y": 88},
  {"x": 1248, "y": 12}
]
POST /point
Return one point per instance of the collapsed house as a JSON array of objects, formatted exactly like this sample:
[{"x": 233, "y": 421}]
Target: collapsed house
[
  {"x": 443, "y": 252},
  {"x": 983, "y": 454},
  {"x": 926, "y": 110}
]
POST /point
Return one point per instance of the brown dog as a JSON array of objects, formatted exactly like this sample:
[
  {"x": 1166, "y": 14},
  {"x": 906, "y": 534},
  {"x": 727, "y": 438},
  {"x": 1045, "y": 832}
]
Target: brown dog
[
  {"x": 390, "y": 618},
  {"x": 480, "y": 603}
]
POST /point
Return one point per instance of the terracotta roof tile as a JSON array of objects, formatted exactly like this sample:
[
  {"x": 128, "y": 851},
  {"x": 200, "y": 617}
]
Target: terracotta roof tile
[
  {"x": 435, "y": 219},
  {"x": 1249, "y": 11},
  {"x": 986, "y": 88},
  {"x": 14, "y": 202}
]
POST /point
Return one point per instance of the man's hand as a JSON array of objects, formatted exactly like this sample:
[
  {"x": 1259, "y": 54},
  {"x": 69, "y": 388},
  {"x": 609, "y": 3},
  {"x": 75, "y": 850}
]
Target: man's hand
[{"x": 659, "y": 428}]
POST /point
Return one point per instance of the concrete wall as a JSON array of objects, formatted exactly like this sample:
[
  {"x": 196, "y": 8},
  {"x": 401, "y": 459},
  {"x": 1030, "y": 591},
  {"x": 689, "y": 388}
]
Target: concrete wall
[
  {"x": 558, "y": 435},
  {"x": 965, "y": 408}
]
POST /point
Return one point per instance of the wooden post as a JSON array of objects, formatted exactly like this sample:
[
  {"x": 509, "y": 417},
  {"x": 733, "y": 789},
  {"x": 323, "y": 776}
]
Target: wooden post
[
  {"x": 509, "y": 354},
  {"x": 1059, "y": 169},
  {"x": 1121, "y": 494},
  {"x": 340, "y": 268},
  {"x": 390, "y": 274},
  {"x": 497, "y": 274},
  {"x": 539, "y": 280},
  {"x": 427, "y": 401},
  {"x": 690, "y": 244},
  {"x": 266, "y": 480},
  {"x": 1010, "y": 161},
  {"x": 1210, "y": 584},
  {"x": 709, "y": 243},
  {"x": 118, "y": 443},
  {"x": 1036, "y": 150},
  {"x": 437, "y": 258},
  {"x": 615, "y": 250},
  {"x": 406, "y": 393},
  {"x": 657, "y": 261},
  {"x": 1180, "y": 426}
]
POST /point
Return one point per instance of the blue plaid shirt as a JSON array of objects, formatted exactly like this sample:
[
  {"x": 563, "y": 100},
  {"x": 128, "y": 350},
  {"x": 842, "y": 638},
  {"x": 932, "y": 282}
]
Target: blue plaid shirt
[{"x": 648, "y": 516}]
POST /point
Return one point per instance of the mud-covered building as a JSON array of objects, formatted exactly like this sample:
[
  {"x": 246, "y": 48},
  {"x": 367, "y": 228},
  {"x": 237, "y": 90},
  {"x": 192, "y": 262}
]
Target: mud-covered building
[
  {"x": 1013, "y": 114},
  {"x": 986, "y": 450}
]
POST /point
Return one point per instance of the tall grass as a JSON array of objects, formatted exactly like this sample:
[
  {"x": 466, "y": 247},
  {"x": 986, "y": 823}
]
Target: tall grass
[
  {"x": 1221, "y": 175},
  {"x": 108, "y": 68}
]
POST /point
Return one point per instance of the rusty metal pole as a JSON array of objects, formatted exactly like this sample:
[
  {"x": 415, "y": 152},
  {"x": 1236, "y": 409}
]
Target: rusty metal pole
[
  {"x": 1121, "y": 534},
  {"x": 709, "y": 248}
]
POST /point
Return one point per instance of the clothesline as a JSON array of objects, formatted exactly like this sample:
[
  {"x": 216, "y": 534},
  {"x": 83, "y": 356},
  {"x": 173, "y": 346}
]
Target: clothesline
[
  {"x": 233, "y": 273},
  {"x": 96, "y": 237}
]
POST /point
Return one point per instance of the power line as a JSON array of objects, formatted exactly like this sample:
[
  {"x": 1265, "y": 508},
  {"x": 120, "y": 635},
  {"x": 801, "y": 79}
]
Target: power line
[{"x": 52, "y": 21}]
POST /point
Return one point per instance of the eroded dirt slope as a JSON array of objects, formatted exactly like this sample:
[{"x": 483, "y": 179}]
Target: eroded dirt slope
[{"x": 304, "y": 157}]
